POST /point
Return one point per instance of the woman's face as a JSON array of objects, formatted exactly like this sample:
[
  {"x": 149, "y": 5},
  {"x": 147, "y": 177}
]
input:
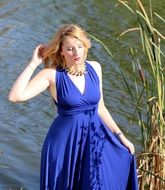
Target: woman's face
[{"x": 73, "y": 51}]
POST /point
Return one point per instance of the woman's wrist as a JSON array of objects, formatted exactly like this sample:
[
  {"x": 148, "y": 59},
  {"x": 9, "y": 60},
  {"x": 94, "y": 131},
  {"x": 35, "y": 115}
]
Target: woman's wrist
[
  {"x": 32, "y": 66},
  {"x": 119, "y": 134}
]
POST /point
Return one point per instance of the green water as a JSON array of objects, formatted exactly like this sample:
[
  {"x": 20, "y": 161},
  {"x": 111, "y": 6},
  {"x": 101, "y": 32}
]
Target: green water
[{"x": 24, "y": 25}]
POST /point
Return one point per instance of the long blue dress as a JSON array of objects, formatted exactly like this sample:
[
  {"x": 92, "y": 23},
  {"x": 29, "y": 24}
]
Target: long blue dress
[{"x": 80, "y": 152}]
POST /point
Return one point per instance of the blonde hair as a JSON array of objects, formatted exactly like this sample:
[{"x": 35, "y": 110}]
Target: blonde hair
[{"x": 52, "y": 54}]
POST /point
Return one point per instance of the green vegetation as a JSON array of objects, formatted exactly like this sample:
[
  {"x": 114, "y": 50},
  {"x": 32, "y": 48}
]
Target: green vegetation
[{"x": 149, "y": 97}]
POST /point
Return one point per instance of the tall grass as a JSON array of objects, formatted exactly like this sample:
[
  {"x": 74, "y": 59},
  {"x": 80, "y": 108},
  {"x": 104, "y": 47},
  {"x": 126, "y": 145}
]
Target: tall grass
[{"x": 149, "y": 98}]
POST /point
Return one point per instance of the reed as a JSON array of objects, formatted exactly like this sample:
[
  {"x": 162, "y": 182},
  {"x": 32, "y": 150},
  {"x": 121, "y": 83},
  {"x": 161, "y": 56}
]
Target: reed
[{"x": 149, "y": 97}]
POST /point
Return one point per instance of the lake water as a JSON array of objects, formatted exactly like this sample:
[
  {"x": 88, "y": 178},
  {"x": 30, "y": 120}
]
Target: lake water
[{"x": 24, "y": 25}]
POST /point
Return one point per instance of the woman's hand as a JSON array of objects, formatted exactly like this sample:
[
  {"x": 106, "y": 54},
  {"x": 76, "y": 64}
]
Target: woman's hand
[
  {"x": 26, "y": 87},
  {"x": 127, "y": 144},
  {"x": 37, "y": 56}
]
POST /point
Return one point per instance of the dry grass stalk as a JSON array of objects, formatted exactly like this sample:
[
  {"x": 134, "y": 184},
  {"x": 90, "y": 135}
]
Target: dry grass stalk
[{"x": 151, "y": 163}]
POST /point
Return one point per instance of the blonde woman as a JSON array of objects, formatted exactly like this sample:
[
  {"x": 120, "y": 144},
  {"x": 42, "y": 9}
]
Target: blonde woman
[{"x": 84, "y": 148}]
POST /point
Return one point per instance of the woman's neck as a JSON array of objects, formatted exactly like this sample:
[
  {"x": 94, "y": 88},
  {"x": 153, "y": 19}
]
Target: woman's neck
[{"x": 77, "y": 69}]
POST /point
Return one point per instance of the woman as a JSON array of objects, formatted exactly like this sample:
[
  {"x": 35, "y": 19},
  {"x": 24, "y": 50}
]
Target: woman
[{"x": 84, "y": 148}]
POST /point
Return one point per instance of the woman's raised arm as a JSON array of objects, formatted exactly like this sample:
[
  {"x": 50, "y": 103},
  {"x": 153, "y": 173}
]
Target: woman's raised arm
[{"x": 24, "y": 87}]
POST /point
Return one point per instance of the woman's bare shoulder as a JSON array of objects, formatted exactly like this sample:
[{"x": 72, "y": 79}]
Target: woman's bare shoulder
[
  {"x": 49, "y": 74},
  {"x": 94, "y": 63},
  {"x": 96, "y": 66}
]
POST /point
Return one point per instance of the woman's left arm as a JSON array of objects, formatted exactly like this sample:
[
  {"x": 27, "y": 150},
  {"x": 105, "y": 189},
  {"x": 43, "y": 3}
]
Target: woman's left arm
[
  {"x": 110, "y": 123},
  {"x": 106, "y": 117}
]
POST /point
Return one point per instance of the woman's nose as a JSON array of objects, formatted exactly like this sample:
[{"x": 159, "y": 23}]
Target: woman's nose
[{"x": 75, "y": 51}]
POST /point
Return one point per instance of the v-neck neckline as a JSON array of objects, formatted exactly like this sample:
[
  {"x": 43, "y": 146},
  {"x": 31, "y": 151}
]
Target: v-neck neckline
[{"x": 75, "y": 86}]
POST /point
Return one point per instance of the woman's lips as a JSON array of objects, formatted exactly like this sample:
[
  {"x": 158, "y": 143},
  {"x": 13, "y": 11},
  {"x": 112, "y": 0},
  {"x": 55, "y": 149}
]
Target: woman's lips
[{"x": 77, "y": 59}]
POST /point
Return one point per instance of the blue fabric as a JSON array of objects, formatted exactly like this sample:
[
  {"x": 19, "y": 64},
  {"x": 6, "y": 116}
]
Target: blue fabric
[{"x": 80, "y": 152}]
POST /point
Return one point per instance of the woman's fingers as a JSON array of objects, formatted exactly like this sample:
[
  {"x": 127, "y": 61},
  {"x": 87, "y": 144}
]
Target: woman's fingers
[
  {"x": 37, "y": 59},
  {"x": 41, "y": 51}
]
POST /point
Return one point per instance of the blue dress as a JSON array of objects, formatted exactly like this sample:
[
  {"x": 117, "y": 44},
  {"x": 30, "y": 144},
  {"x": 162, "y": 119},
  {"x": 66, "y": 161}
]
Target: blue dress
[{"x": 80, "y": 152}]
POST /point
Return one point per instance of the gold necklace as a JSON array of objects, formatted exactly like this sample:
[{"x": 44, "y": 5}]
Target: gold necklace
[{"x": 70, "y": 70}]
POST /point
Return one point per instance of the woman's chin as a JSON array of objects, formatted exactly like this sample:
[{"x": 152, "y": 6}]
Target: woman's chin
[{"x": 80, "y": 62}]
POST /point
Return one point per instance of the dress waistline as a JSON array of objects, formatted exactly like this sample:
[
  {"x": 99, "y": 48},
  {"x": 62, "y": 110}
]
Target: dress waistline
[{"x": 86, "y": 109}]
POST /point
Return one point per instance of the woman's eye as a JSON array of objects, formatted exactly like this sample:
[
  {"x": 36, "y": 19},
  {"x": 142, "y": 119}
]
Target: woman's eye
[
  {"x": 69, "y": 49},
  {"x": 80, "y": 46}
]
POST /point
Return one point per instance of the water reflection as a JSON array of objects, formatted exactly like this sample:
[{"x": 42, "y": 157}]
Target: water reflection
[{"x": 23, "y": 126}]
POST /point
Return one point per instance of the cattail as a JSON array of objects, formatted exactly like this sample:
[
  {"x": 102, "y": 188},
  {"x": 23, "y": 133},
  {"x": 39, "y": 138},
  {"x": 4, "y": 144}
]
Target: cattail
[{"x": 142, "y": 75}]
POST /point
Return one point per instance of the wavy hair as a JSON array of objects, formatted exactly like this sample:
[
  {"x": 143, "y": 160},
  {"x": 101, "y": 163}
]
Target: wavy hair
[{"x": 52, "y": 53}]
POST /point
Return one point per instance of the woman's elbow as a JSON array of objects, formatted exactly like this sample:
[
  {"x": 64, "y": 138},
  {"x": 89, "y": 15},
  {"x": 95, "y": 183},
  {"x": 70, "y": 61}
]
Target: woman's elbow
[{"x": 13, "y": 98}]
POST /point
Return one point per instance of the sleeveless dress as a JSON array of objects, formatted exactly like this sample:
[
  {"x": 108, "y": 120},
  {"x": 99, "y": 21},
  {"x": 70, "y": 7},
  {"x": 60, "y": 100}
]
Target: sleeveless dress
[{"x": 80, "y": 152}]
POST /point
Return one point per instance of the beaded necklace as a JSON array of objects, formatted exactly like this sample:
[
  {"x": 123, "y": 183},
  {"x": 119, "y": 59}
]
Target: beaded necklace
[{"x": 72, "y": 71}]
